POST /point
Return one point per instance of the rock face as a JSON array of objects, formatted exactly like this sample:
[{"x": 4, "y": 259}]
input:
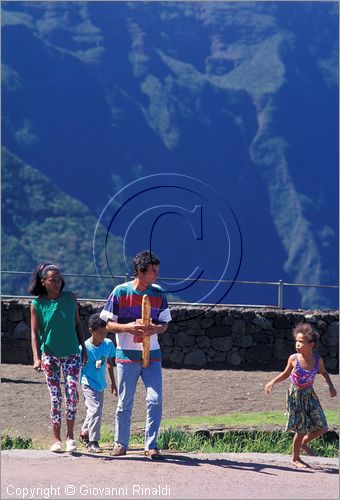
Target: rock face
[{"x": 201, "y": 337}]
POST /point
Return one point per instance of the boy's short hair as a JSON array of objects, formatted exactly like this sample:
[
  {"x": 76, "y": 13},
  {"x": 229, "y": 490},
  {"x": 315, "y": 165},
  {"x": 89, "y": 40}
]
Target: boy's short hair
[{"x": 95, "y": 322}]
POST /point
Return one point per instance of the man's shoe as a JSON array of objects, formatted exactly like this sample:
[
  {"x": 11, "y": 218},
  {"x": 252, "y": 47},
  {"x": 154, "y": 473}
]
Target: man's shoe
[
  {"x": 94, "y": 447},
  {"x": 118, "y": 451},
  {"x": 154, "y": 454}
]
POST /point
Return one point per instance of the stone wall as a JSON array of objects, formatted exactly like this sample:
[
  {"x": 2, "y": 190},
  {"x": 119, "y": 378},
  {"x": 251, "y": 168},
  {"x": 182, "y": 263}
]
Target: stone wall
[{"x": 201, "y": 337}]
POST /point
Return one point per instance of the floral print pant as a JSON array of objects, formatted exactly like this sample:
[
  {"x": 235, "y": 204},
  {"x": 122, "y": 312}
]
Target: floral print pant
[{"x": 52, "y": 367}]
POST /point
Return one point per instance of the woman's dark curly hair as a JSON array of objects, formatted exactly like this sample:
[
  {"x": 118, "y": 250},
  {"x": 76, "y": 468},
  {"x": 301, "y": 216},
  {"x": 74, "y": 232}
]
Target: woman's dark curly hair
[
  {"x": 40, "y": 272},
  {"x": 307, "y": 331},
  {"x": 143, "y": 259}
]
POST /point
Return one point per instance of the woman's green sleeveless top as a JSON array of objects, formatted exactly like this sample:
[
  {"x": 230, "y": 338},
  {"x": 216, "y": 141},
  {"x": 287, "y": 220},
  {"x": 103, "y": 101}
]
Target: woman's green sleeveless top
[{"x": 57, "y": 332}]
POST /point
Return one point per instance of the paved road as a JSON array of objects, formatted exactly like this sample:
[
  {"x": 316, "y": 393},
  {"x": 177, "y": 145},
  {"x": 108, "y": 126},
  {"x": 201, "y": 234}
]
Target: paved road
[{"x": 42, "y": 474}]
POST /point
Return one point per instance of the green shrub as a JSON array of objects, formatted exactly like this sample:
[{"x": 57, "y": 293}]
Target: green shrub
[{"x": 16, "y": 442}]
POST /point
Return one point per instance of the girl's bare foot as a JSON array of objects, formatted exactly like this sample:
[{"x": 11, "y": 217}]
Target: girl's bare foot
[
  {"x": 308, "y": 450},
  {"x": 299, "y": 463}
]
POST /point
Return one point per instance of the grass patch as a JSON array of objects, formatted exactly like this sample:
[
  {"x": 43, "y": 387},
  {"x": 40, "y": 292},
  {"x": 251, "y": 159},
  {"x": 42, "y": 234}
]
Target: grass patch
[
  {"x": 15, "y": 442},
  {"x": 186, "y": 434},
  {"x": 239, "y": 442},
  {"x": 260, "y": 419}
]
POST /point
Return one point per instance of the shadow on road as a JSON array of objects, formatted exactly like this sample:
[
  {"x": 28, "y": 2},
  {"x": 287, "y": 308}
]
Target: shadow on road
[{"x": 187, "y": 461}]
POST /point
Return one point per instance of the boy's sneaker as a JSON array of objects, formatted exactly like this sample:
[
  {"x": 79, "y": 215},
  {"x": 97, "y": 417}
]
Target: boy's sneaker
[{"x": 93, "y": 446}]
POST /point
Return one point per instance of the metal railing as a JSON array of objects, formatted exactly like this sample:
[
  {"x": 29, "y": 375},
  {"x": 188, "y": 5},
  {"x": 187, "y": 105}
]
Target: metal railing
[{"x": 126, "y": 277}]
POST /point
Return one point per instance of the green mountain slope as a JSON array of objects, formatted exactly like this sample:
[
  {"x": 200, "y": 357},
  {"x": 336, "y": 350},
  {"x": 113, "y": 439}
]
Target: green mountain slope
[{"x": 41, "y": 223}]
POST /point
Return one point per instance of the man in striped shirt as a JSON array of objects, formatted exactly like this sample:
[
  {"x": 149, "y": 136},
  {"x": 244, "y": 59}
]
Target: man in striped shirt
[{"x": 123, "y": 313}]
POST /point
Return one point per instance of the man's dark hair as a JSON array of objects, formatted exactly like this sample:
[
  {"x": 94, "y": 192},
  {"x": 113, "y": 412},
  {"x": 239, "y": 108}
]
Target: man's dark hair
[
  {"x": 143, "y": 259},
  {"x": 95, "y": 322}
]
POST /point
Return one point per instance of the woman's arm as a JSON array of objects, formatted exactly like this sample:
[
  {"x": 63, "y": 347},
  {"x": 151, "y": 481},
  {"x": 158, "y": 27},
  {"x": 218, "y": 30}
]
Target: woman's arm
[
  {"x": 35, "y": 340},
  {"x": 79, "y": 332}
]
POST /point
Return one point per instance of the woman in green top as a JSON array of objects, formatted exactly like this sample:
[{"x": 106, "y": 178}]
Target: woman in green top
[{"x": 56, "y": 333}]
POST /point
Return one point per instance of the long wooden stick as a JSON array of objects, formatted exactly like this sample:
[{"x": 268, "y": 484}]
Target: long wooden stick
[{"x": 146, "y": 311}]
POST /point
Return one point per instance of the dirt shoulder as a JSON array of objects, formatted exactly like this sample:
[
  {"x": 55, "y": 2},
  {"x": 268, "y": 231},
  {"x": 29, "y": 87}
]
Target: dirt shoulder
[{"x": 25, "y": 399}]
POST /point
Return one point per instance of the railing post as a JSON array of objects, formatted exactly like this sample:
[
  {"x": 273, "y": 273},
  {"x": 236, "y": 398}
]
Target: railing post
[{"x": 280, "y": 295}]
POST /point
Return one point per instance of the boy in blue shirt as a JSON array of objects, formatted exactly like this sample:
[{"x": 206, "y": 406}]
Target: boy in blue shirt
[{"x": 101, "y": 352}]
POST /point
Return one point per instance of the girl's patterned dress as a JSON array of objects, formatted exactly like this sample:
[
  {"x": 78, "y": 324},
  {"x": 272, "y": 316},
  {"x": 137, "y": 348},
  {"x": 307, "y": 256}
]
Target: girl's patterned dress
[{"x": 304, "y": 410}]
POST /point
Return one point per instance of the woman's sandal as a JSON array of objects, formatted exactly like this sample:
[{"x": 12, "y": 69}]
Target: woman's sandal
[{"x": 56, "y": 447}]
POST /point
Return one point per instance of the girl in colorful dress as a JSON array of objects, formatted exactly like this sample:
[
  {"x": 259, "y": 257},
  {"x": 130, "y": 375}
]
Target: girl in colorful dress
[
  {"x": 56, "y": 333},
  {"x": 305, "y": 415}
]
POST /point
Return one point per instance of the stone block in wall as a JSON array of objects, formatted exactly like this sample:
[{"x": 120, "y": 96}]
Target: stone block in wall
[
  {"x": 281, "y": 349},
  {"x": 176, "y": 357},
  {"x": 27, "y": 315},
  {"x": 194, "y": 324},
  {"x": 248, "y": 316},
  {"x": 263, "y": 323},
  {"x": 322, "y": 349},
  {"x": 178, "y": 314},
  {"x": 244, "y": 341},
  {"x": 183, "y": 340},
  {"x": 331, "y": 364},
  {"x": 252, "y": 328},
  {"x": 195, "y": 333},
  {"x": 223, "y": 344},
  {"x": 332, "y": 334},
  {"x": 258, "y": 353},
  {"x": 227, "y": 320},
  {"x": 234, "y": 359},
  {"x": 211, "y": 353},
  {"x": 218, "y": 331},
  {"x": 281, "y": 322},
  {"x": 239, "y": 327},
  {"x": 166, "y": 352},
  {"x": 196, "y": 358},
  {"x": 22, "y": 331},
  {"x": 220, "y": 357},
  {"x": 166, "y": 339},
  {"x": 16, "y": 314},
  {"x": 333, "y": 351},
  {"x": 17, "y": 351},
  {"x": 329, "y": 318},
  {"x": 262, "y": 337},
  {"x": 321, "y": 325},
  {"x": 85, "y": 328},
  {"x": 207, "y": 322},
  {"x": 195, "y": 312},
  {"x": 203, "y": 342}
]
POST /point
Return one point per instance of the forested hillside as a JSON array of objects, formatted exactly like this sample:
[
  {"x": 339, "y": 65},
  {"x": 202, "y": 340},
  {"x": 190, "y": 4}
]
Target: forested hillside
[{"x": 242, "y": 96}]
